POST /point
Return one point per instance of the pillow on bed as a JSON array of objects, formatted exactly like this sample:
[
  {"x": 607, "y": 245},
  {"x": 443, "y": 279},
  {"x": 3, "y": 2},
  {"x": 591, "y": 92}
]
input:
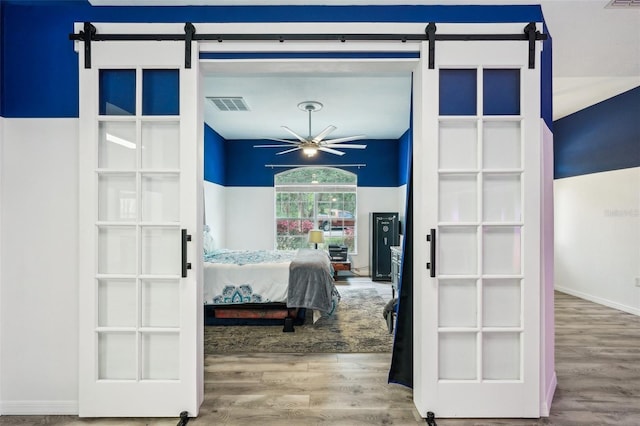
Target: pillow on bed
[{"x": 207, "y": 240}]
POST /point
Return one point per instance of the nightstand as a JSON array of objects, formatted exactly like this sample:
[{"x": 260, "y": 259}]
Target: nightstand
[{"x": 340, "y": 265}]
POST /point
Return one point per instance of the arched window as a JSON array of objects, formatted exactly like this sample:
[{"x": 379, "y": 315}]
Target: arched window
[{"x": 315, "y": 198}]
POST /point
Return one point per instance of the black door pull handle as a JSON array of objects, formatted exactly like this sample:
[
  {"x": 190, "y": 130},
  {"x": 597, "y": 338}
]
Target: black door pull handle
[
  {"x": 431, "y": 266},
  {"x": 185, "y": 265}
]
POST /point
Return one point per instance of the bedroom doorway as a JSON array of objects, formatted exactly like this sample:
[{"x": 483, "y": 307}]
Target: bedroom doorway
[
  {"x": 468, "y": 162},
  {"x": 236, "y": 75}
]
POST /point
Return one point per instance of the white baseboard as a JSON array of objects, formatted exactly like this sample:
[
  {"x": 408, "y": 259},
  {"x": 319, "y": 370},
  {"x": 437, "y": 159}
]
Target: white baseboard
[
  {"x": 39, "y": 408},
  {"x": 545, "y": 409},
  {"x": 600, "y": 301}
]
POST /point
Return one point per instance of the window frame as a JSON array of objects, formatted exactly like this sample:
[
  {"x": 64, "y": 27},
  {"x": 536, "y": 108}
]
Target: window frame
[{"x": 315, "y": 187}]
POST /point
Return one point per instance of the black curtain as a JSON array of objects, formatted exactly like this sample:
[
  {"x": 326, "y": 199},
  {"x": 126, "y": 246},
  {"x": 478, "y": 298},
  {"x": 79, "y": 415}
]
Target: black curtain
[{"x": 401, "y": 370}]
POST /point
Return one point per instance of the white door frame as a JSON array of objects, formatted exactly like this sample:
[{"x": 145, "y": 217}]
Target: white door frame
[{"x": 328, "y": 65}]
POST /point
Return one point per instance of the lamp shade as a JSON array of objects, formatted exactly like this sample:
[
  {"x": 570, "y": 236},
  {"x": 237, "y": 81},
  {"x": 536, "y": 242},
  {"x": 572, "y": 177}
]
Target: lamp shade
[{"x": 316, "y": 236}]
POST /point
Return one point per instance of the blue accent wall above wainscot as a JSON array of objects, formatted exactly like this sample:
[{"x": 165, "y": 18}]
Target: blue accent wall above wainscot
[
  {"x": 245, "y": 165},
  {"x": 39, "y": 68},
  {"x": 214, "y": 156},
  {"x": 405, "y": 152},
  {"x": 603, "y": 137}
]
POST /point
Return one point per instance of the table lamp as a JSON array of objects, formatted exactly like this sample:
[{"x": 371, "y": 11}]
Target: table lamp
[{"x": 316, "y": 236}]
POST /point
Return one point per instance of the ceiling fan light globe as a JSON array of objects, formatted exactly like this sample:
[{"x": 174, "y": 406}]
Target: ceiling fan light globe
[{"x": 310, "y": 151}]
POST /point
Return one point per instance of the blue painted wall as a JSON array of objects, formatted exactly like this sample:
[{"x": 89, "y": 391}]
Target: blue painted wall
[
  {"x": 40, "y": 68},
  {"x": 214, "y": 156},
  {"x": 246, "y": 164},
  {"x": 404, "y": 157},
  {"x": 603, "y": 137}
]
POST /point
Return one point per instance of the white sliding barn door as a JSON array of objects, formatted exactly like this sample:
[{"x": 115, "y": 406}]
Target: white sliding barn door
[
  {"x": 140, "y": 175},
  {"x": 477, "y": 196}
]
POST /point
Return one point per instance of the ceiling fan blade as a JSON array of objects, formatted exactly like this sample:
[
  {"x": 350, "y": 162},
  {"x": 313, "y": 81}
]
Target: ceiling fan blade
[
  {"x": 272, "y": 146},
  {"x": 340, "y": 140},
  {"x": 323, "y": 134},
  {"x": 288, "y": 150},
  {"x": 329, "y": 150},
  {"x": 294, "y": 134},
  {"x": 283, "y": 140},
  {"x": 354, "y": 146}
]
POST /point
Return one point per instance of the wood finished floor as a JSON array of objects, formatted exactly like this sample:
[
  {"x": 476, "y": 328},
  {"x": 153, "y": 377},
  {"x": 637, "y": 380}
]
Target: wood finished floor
[{"x": 597, "y": 364}]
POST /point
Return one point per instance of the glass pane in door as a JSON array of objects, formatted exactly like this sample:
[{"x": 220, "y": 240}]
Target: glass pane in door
[
  {"x": 501, "y": 145},
  {"x": 458, "y": 144},
  {"x": 160, "y": 197},
  {"x": 501, "y": 303},
  {"x": 158, "y": 303},
  {"x": 160, "y": 92},
  {"x": 501, "y": 91},
  {"x": 160, "y": 250},
  {"x": 117, "y": 197},
  {"x": 502, "y": 198},
  {"x": 117, "y": 250},
  {"x": 160, "y": 356},
  {"x": 458, "y": 303},
  {"x": 117, "y": 145},
  {"x": 501, "y": 250},
  {"x": 117, "y": 92},
  {"x": 458, "y": 251},
  {"x": 458, "y": 198},
  {"x": 161, "y": 145},
  {"x": 501, "y": 356},
  {"x": 117, "y": 303},
  {"x": 457, "y": 353},
  {"x": 117, "y": 355}
]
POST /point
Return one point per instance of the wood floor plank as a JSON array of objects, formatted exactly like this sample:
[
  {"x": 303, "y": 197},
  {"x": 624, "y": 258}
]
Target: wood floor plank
[
  {"x": 259, "y": 402},
  {"x": 277, "y": 365},
  {"x": 311, "y": 377}
]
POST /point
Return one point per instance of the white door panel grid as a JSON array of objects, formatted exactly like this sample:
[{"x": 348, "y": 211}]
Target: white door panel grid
[
  {"x": 139, "y": 169},
  {"x": 477, "y": 244}
]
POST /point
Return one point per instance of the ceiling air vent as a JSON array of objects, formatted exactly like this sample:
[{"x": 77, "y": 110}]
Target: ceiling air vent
[
  {"x": 229, "y": 103},
  {"x": 624, "y": 3}
]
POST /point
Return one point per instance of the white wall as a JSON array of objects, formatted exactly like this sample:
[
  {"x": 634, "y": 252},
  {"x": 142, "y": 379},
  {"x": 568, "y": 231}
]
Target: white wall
[
  {"x": 1, "y": 191},
  {"x": 372, "y": 200},
  {"x": 250, "y": 218},
  {"x": 597, "y": 239},
  {"x": 215, "y": 216},
  {"x": 402, "y": 203},
  {"x": 548, "y": 378},
  {"x": 38, "y": 279}
]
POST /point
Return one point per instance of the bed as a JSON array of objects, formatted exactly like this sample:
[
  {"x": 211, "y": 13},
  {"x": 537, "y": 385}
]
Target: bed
[{"x": 254, "y": 285}]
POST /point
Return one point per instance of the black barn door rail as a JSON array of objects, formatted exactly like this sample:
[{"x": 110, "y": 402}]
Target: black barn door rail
[{"x": 89, "y": 34}]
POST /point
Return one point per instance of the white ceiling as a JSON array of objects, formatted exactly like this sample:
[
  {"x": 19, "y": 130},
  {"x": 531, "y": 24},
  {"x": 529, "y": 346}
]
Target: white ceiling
[
  {"x": 596, "y": 55},
  {"x": 377, "y": 106}
]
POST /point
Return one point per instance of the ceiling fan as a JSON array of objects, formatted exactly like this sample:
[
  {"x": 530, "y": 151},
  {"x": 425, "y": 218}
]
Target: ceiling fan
[{"x": 311, "y": 145}]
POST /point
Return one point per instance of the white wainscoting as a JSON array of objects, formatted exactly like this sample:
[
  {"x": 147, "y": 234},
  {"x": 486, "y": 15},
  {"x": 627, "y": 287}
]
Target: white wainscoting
[
  {"x": 214, "y": 209},
  {"x": 249, "y": 217},
  {"x": 39, "y": 278},
  {"x": 597, "y": 238}
]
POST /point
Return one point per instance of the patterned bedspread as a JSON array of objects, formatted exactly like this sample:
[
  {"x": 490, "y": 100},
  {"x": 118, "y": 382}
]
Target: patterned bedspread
[
  {"x": 265, "y": 276},
  {"x": 246, "y": 257}
]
